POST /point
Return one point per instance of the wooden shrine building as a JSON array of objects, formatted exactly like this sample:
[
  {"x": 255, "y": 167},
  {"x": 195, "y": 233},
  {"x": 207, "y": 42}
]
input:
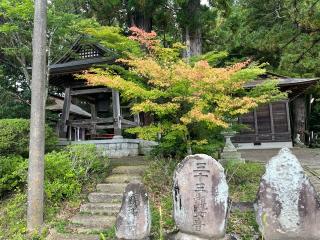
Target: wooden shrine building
[
  {"x": 106, "y": 117},
  {"x": 280, "y": 123},
  {"x": 272, "y": 125}
]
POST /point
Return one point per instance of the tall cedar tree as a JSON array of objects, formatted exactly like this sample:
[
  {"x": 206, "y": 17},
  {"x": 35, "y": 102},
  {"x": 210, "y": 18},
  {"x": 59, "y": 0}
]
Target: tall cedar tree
[{"x": 37, "y": 122}]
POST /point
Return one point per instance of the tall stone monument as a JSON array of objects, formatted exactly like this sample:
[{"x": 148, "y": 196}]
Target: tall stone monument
[
  {"x": 287, "y": 206},
  {"x": 200, "y": 198},
  {"x": 134, "y": 219}
]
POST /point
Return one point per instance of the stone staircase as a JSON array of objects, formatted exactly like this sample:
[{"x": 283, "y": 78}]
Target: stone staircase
[{"x": 99, "y": 213}]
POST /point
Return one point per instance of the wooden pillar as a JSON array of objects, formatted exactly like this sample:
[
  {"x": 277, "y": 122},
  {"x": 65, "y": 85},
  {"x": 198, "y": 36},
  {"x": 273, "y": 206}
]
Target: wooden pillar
[
  {"x": 299, "y": 117},
  {"x": 116, "y": 112},
  {"x": 137, "y": 119},
  {"x": 94, "y": 116},
  {"x": 288, "y": 117},
  {"x": 256, "y": 129},
  {"x": 83, "y": 134},
  {"x": 65, "y": 113},
  {"x": 271, "y": 121},
  {"x": 70, "y": 133},
  {"x": 77, "y": 133}
]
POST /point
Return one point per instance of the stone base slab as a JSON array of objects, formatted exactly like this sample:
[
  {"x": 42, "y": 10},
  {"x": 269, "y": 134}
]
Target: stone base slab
[
  {"x": 232, "y": 156},
  {"x": 263, "y": 145},
  {"x": 184, "y": 236}
]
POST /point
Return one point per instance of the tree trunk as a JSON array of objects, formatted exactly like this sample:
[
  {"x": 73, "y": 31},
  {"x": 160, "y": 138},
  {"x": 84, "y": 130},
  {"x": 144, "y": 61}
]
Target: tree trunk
[
  {"x": 188, "y": 44},
  {"x": 193, "y": 42},
  {"x": 37, "y": 121},
  {"x": 139, "y": 18},
  {"x": 193, "y": 30},
  {"x": 141, "y": 21}
]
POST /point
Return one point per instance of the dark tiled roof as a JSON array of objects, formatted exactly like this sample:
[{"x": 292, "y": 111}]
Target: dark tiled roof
[
  {"x": 57, "y": 105},
  {"x": 285, "y": 82},
  {"x": 78, "y": 65}
]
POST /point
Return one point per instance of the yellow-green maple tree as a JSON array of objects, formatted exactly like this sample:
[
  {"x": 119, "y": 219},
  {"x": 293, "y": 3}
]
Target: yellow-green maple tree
[{"x": 180, "y": 94}]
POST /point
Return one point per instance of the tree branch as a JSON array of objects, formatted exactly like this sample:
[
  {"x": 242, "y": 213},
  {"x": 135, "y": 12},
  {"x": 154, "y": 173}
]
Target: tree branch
[
  {"x": 291, "y": 40},
  {"x": 16, "y": 96},
  {"x": 314, "y": 43}
]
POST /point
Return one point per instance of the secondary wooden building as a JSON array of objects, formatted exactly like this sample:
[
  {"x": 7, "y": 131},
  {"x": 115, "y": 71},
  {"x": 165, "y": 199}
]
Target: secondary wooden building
[{"x": 281, "y": 123}]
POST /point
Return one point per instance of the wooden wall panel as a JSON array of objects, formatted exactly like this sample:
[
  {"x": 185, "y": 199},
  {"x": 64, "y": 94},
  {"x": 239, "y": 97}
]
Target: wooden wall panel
[
  {"x": 263, "y": 119},
  {"x": 248, "y": 120},
  {"x": 280, "y": 118}
]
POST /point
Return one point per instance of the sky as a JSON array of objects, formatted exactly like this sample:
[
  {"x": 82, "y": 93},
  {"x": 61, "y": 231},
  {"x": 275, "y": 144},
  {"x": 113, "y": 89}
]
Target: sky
[{"x": 205, "y": 2}]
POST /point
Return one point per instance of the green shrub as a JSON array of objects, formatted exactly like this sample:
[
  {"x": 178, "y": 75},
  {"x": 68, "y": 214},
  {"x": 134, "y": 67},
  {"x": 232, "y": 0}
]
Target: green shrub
[
  {"x": 211, "y": 149},
  {"x": 61, "y": 180},
  {"x": 174, "y": 143},
  {"x": 87, "y": 159},
  {"x": 14, "y": 137},
  {"x": 67, "y": 171},
  {"x": 13, "y": 171}
]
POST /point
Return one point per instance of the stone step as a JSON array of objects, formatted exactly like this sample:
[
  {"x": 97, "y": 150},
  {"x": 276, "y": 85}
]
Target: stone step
[
  {"x": 100, "y": 208},
  {"x": 129, "y": 161},
  {"x": 68, "y": 236},
  {"x": 92, "y": 222},
  {"x": 111, "y": 187},
  {"x": 122, "y": 178},
  {"x": 86, "y": 230},
  {"x": 103, "y": 197},
  {"x": 129, "y": 170}
]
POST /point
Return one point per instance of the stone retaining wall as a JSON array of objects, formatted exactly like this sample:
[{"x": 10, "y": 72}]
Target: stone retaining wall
[{"x": 120, "y": 147}]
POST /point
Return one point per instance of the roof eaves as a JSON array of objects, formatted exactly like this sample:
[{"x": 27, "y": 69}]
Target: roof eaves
[{"x": 284, "y": 82}]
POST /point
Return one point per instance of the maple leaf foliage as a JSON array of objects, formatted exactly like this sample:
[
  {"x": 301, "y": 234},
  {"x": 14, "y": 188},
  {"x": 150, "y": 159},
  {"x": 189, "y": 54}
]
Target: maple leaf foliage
[{"x": 180, "y": 94}]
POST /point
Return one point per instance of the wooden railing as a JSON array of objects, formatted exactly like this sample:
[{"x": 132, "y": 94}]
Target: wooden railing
[{"x": 262, "y": 137}]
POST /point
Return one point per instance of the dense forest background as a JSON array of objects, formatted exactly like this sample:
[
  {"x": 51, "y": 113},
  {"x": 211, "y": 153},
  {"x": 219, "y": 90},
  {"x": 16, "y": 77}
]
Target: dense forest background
[{"x": 285, "y": 34}]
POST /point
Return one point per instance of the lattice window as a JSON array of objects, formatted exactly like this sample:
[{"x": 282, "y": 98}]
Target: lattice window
[{"x": 88, "y": 52}]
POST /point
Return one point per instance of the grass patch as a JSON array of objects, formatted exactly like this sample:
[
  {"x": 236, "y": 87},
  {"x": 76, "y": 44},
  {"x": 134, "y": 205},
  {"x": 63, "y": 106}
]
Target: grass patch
[
  {"x": 158, "y": 180},
  {"x": 243, "y": 224},
  {"x": 109, "y": 234},
  {"x": 243, "y": 180},
  {"x": 13, "y": 217}
]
